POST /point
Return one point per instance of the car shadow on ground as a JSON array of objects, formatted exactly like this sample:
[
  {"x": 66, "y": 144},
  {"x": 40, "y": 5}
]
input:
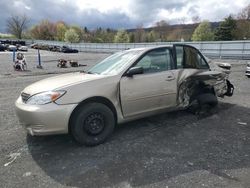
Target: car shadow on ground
[{"x": 150, "y": 150}]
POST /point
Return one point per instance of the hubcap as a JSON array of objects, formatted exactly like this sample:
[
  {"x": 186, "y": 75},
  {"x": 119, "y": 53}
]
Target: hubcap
[{"x": 94, "y": 123}]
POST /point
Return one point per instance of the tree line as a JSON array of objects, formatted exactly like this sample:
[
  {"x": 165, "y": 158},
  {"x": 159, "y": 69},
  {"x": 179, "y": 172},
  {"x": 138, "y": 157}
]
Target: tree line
[{"x": 233, "y": 27}]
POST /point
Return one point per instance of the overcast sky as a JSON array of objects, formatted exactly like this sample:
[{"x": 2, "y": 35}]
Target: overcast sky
[{"x": 119, "y": 13}]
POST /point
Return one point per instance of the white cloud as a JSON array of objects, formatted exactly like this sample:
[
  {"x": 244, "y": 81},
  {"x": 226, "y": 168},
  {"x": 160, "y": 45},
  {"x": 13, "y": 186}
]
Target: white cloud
[
  {"x": 103, "y": 6},
  {"x": 27, "y": 7},
  {"x": 120, "y": 14},
  {"x": 216, "y": 10}
]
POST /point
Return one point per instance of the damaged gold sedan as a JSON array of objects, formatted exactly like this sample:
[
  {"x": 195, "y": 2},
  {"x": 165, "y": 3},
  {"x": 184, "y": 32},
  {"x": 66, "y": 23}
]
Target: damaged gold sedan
[{"x": 128, "y": 85}]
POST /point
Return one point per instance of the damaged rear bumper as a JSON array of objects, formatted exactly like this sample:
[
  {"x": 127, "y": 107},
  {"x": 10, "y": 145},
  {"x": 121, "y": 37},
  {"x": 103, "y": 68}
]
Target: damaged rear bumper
[{"x": 224, "y": 88}]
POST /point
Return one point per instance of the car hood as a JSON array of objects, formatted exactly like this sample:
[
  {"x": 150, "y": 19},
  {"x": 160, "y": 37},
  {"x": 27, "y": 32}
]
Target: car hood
[{"x": 59, "y": 82}]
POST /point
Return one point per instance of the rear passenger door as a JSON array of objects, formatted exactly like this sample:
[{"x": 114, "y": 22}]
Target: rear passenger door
[{"x": 188, "y": 57}]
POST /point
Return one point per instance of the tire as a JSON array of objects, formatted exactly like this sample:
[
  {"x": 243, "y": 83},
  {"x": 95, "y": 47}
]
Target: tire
[
  {"x": 92, "y": 124},
  {"x": 203, "y": 104},
  {"x": 207, "y": 98},
  {"x": 248, "y": 76}
]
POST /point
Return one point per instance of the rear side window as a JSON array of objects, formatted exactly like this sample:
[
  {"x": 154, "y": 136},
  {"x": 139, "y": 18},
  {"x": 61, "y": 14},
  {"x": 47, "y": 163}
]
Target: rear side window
[
  {"x": 188, "y": 57},
  {"x": 179, "y": 56}
]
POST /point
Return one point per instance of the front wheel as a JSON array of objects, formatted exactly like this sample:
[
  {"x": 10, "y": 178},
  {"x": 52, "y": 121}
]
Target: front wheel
[{"x": 92, "y": 124}]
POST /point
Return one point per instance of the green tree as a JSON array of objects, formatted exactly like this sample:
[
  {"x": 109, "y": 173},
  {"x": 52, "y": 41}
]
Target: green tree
[
  {"x": 97, "y": 40},
  {"x": 151, "y": 36},
  {"x": 226, "y": 29},
  {"x": 86, "y": 30},
  {"x": 140, "y": 35},
  {"x": 101, "y": 35},
  {"x": 71, "y": 36},
  {"x": 121, "y": 37},
  {"x": 203, "y": 32},
  {"x": 80, "y": 32},
  {"x": 132, "y": 37},
  {"x": 87, "y": 36},
  {"x": 61, "y": 29},
  {"x": 45, "y": 30},
  {"x": 107, "y": 35}
]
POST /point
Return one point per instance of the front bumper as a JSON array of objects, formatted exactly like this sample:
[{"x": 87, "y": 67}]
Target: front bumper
[{"x": 44, "y": 119}]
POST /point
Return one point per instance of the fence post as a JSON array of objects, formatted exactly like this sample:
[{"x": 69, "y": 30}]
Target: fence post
[
  {"x": 14, "y": 55},
  {"x": 39, "y": 66},
  {"x": 243, "y": 49},
  {"x": 201, "y": 46},
  {"x": 220, "y": 50}
]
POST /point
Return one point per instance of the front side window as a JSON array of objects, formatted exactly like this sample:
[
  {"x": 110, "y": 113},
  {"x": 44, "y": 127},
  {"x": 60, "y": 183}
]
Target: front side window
[{"x": 156, "y": 61}]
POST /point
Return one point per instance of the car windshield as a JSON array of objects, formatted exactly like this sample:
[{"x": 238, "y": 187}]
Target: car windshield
[{"x": 115, "y": 63}]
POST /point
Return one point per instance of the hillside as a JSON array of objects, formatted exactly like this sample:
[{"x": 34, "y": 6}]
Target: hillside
[{"x": 176, "y": 32}]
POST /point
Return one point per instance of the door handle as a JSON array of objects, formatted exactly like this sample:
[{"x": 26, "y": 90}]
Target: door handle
[{"x": 169, "y": 78}]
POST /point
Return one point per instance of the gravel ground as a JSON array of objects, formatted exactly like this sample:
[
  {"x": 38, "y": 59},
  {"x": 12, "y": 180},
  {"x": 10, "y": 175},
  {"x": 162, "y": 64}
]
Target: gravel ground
[
  {"x": 49, "y": 62},
  {"x": 174, "y": 149}
]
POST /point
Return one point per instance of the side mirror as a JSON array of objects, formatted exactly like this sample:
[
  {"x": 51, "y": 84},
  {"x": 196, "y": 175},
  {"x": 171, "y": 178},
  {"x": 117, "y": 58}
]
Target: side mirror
[{"x": 134, "y": 70}]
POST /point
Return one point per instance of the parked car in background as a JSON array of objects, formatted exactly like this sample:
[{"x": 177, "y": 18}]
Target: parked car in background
[
  {"x": 12, "y": 48},
  {"x": 44, "y": 47},
  {"x": 55, "y": 48},
  {"x": 23, "y": 48},
  {"x": 128, "y": 85},
  {"x": 66, "y": 49},
  {"x": 34, "y": 46},
  {"x": 13, "y": 42},
  {"x": 2, "y": 47},
  {"x": 248, "y": 70}
]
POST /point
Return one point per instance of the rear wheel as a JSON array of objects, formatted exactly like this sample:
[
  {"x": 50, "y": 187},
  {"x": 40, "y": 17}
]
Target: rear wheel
[
  {"x": 92, "y": 124},
  {"x": 203, "y": 104}
]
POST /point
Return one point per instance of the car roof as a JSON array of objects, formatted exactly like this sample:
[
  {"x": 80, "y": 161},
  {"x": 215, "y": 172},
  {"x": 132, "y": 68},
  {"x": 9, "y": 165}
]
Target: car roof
[{"x": 150, "y": 48}]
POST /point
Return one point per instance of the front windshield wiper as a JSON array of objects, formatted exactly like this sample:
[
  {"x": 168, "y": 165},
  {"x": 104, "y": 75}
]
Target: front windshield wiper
[{"x": 89, "y": 72}]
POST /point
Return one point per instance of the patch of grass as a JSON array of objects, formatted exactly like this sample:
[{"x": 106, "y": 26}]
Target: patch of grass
[{"x": 6, "y": 36}]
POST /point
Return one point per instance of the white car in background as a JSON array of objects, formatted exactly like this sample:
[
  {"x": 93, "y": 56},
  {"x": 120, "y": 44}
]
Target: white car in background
[
  {"x": 12, "y": 48},
  {"x": 248, "y": 70},
  {"x": 23, "y": 48}
]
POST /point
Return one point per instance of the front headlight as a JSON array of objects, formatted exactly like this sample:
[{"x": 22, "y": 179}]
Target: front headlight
[{"x": 45, "y": 97}]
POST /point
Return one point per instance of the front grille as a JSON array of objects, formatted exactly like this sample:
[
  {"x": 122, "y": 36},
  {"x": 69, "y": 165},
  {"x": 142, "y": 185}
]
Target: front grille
[{"x": 25, "y": 97}]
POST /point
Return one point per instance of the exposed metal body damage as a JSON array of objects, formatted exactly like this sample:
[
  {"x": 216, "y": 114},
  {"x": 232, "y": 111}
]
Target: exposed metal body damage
[{"x": 192, "y": 83}]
